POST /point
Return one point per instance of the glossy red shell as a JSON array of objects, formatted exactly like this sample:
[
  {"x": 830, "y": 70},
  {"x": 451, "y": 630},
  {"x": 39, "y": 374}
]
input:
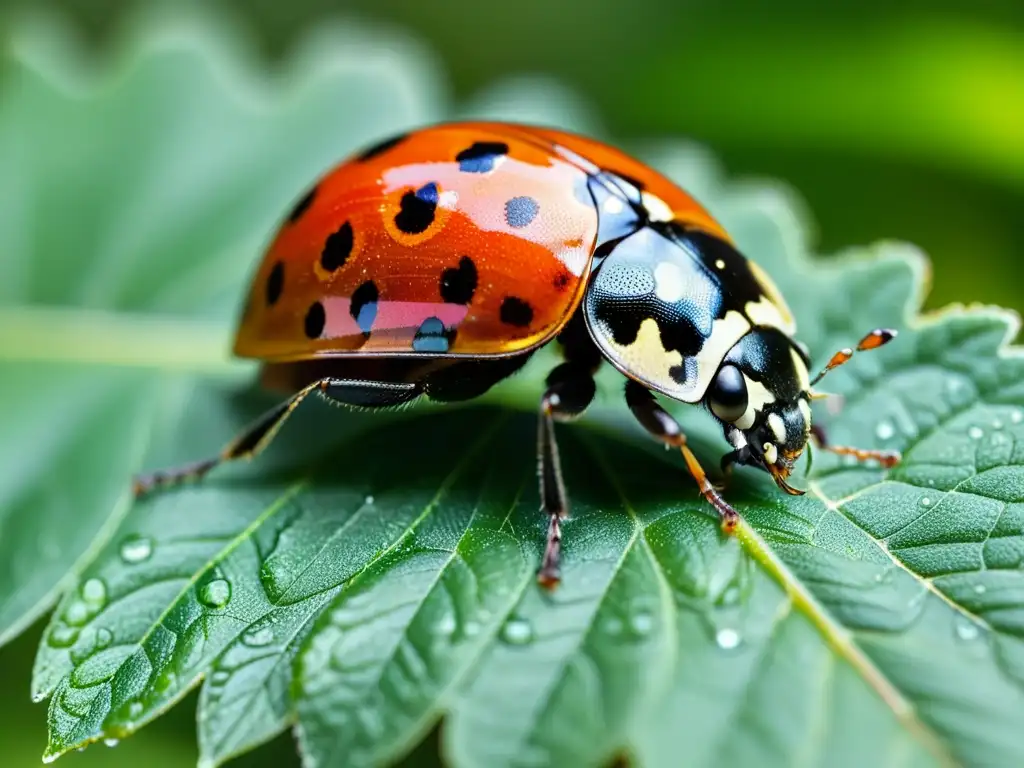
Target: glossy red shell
[{"x": 467, "y": 239}]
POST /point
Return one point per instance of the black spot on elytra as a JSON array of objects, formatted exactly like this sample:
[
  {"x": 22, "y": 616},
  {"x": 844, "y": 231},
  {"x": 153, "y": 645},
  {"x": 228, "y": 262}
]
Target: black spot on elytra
[
  {"x": 364, "y": 306},
  {"x": 561, "y": 281},
  {"x": 520, "y": 211},
  {"x": 417, "y": 210},
  {"x": 316, "y": 318},
  {"x": 338, "y": 248},
  {"x": 458, "y": 284},
  {"x": 380, "y": 147},
  {"x": 432, "y": 336},
  {"x": 481, "y": 156},
  {"x": 275, "y": 284},
  {"x": 515, "y": 311},
  {"x": 302, "y": 206}
]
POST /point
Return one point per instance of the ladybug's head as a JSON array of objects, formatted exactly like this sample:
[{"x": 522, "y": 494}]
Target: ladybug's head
[{"x": 761, "y": 396}]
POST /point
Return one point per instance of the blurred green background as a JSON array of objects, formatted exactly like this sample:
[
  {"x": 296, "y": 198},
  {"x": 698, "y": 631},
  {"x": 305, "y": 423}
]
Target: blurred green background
[{"x": 892, "y": 121}]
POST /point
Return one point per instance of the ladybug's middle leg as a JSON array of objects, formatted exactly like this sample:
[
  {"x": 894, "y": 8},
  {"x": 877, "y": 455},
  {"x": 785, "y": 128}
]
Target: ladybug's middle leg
[
  {"x": 570, "y": 390},
  {"x": 662, "y": 426}
]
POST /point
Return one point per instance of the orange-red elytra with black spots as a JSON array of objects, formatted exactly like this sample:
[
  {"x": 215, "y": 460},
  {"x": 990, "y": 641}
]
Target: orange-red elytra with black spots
[{"x": 434, "y": 263}]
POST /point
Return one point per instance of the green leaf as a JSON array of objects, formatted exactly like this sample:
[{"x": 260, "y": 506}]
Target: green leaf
[{"x": 372, "y": 575}]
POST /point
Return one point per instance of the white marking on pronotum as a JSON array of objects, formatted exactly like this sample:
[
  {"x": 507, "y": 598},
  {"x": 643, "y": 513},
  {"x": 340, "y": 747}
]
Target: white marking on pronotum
[
  {"x": 758, "y": 396},
  {"x": 802, "y": 376},
  {"x": 765, "y": 312},
  {"x": 771, "y": 453},
  {"x": 669, "y": 283},
  {"x": 738, "y": 439},
  {"x": 778, "y": 427},
  {"x": 805, "y": 409}
]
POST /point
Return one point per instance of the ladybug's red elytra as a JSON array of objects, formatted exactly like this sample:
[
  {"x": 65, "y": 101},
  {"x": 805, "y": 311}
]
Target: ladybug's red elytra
[{"x": 436, "y": 262}]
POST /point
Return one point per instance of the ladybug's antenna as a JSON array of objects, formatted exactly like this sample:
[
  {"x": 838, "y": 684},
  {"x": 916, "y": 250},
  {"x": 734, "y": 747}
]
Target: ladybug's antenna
[{"x": 873, "y": 340}]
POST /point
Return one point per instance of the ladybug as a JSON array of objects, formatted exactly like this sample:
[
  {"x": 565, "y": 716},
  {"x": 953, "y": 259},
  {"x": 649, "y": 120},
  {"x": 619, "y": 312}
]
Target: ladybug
[{"x": 435, "y": 263}]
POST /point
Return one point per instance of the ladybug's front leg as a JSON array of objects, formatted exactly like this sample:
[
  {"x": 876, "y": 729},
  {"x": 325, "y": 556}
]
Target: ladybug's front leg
[
  {"x": 570, "y": 390},
  {"x": 886, "y": 458},
  {"x": 662, "y": 426}
]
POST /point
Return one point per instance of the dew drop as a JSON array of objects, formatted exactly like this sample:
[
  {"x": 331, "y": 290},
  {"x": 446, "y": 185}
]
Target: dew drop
[
  {"x": 975, "y": 433},
  {"x": 77, "y": 613},
  {"x": 727, "y": 639},
  {"x": 471, "y": 629},
  {"x": 215, "y": 594},
  {"x": 613, "y": 626},
  {"x": 62, "y": 636},
  {"x": 111, "y": 742},
  {"x": 731, "y": 596},
  {"x": 103, "y": 638},
  {"x": 997, "y": 424},
  {"x": 136, "y": 549},
  {"x": 368, "y": 501},
  {"x": 94, "y": 591},
  {"x": 885, "y": 430},
  {"x": 1017, "y": 416},
  {"x": 641, "y": 623},
  {"x": 135, "y": 710},
  {"x": 979, "y": 589},
  {"x": 445, "y": 626},
  {"x": 257, "y": 638},
  {"x": 966, "y": 629},
  {"x": 925, "y": 501},
  {"x": 517, "y": 632}
]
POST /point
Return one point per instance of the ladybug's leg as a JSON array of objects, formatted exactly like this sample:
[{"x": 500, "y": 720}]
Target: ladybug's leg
[
  {"x": 662, "y": 426},
  {"x": 885, "y": 458},
  {"x": 570, "y": 389},
  {"x": 259, "y": 434}
]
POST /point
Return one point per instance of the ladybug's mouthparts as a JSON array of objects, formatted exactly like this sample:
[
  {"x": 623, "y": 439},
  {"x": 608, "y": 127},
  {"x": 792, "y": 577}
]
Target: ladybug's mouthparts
[{"x": 779, "y": 474}]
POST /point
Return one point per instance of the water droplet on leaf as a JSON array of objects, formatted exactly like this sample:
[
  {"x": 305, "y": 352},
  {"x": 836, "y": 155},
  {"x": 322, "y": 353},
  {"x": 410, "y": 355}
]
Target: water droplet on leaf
[
  {"x": 135, "y": 710},
  {"x": 77, "y": 613},
  {"x": 103, "y": 638},
  {"x": 136, "y": 549},
  {"x": 62, "y": 636},
  {"x": 613, "y": 626},
  {"x": 967, "y": 629},
  {"x": 94, "y": 591},
  {"x": 446, "y": 625},
  {"x": 997, "y": 424},
  {"x": 979, "y": 589},
  {"x": 975, "y": 433},
  {"x": 111, "y": 742},
  {"x": 215, "y": 594},
  {"x": 257, "y": 638},
  {"x": 1017, "y": 416},
  {"x": 368, "y": 500},
  {"x": 471, "y": 629},
  {"x": 885, "y": 430},
  {"x": 925, "y": 501},
  {"x": 641, "y": 623},
  {"x": 517, "y": 632},
  {"x": 728, "y": 639}
]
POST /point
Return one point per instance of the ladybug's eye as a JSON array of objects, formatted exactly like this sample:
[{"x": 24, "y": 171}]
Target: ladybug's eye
[{"x": 727, "y": 395}]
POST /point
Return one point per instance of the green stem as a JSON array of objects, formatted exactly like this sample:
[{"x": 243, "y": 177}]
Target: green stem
[{"x": 99, "y": 337}]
